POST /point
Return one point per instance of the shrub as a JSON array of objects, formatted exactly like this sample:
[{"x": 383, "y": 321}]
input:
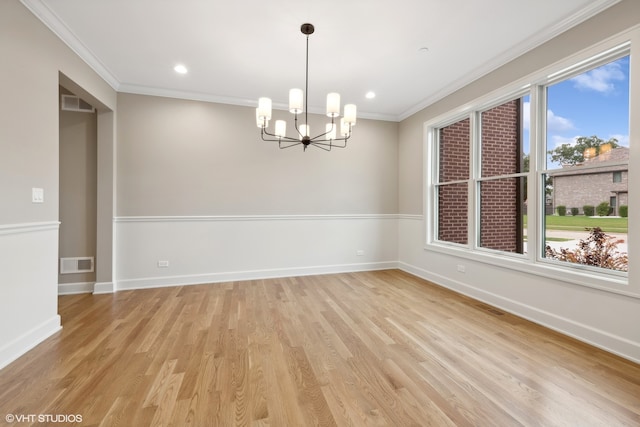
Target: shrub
[
  {"x": 588, "y": 210},
  {"x": 574, "y": 211},
  {"x": 624, "y": 211},
  {"x": 562, "y": 210},
  {"x": 599, "y": 249},
  {"x": 602, "y": 209}
]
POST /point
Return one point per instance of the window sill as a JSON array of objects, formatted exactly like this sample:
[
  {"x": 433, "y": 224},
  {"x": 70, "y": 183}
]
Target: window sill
[{"x": 574, "y": 274}]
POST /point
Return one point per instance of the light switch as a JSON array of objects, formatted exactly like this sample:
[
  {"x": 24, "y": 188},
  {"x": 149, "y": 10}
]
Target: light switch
[{"x": 37, "y": 195}]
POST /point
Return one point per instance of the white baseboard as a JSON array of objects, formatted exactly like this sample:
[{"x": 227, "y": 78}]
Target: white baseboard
[
  {"x": 75, "y": 288},
  {"x": 611, "y": 343},
  {"x": 16, "y": 348},
  {"x": 195, "y": 279},
  {"x": 104, "y": 288}
]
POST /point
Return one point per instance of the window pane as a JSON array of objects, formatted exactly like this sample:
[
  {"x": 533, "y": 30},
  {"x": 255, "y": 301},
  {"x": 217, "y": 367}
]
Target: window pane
[
  {"x": 453, "y": 213},
  {"x": 503, "y": 152},
  {"x": 502, "y": 214},
  {"x": 617, "y": 177},
  {"x": 587, "y": 162},
  {"x": 588, "y": 115},
  {"x": 453, "y": 146}
]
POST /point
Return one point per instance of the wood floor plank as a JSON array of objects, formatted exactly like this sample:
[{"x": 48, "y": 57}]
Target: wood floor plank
[{"x": 379, "y": 348}]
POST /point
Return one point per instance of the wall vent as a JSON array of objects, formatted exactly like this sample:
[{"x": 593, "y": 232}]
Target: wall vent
[
  {"x": 73, "y": 103},
  {"x": 76, "y": 265}
]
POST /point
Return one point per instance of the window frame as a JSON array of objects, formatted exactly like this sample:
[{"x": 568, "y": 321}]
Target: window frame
[
  {"x": 438, "y": 184},
  {"x": 477, "y": 172},
  {"x": 533, "y": 261}
]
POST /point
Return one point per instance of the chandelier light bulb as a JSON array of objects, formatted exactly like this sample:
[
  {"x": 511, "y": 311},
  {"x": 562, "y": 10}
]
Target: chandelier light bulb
[
  {"x": 264, "y": 108},
  {"x": 331, "y": 131},
  {"x": 258, "y": 120},
  {"x": 344, "y": 128},
  {"x": 281, "y": 128},
  {"x": 333, "y": 104},
  {"x": 350, "y": 114},
  {"x": 296, "y": 98}
]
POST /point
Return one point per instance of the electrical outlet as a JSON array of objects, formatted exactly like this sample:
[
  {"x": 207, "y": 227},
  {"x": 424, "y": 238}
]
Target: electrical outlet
[
  {"x": 37, "y": 195},
  {"x": 360, "y": 252},
  {"x": 163, "y": 264},
  {"x": 461, "y": 268}
]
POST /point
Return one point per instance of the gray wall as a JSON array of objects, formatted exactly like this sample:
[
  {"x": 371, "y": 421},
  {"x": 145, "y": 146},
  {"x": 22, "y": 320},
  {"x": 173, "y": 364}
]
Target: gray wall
[{"x": 179, "y": 157}]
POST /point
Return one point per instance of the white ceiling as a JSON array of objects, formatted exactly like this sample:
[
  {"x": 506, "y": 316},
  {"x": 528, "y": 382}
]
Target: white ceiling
[{"x": 239, "y": 50}]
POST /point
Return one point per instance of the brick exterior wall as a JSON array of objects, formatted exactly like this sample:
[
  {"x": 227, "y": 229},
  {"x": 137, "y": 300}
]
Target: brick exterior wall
[
  {"x": 500, "y": 200},
  {"x": 591, "y": 182},
  {"x": 453, "y": 199},
  {"x": 501, "y": 218},
  {"x": 575, "y": 191}
]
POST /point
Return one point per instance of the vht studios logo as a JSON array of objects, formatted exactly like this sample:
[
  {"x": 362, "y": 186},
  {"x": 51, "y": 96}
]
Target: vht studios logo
[{"x": 43, "y": 418}]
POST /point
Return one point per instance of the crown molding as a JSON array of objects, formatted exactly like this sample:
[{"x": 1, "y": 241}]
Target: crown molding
[
  {"x": 64, "y": 33},
  {"x": 520, "y": 49},
  {"x": 243, "y": 102}
]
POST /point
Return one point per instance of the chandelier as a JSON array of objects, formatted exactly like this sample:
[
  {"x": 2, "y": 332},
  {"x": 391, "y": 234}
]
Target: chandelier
[{"x": 327, "y": 140}]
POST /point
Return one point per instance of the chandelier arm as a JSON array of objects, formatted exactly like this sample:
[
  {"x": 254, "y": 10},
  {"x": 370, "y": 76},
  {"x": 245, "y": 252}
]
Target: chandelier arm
[
  {"x": 331, "y": 143},
  {"x": 295, "y": 124},
  {"x": 277, "y": 138},
  {"x": 287, "y": 146},
  {"x": 321, "y": 146},
  {"x": 316, "y": 138},
  {"x": 324, "y": 134}
]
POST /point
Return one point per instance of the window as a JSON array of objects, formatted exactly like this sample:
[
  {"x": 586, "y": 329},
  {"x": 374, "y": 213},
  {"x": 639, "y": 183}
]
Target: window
[
  {"x": 587, "y": 122},
  {"x": 498, "y": 181},
  {"x": 502, "y": 183},
  {"x": 617, "y": 177},
  {"x": 452, "y": 184},
  {"x": 547, "y": 151}
]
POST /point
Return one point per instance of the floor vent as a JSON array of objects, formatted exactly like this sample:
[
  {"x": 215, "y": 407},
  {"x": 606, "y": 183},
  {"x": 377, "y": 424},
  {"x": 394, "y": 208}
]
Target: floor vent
[{"x": 76, "y": 265}]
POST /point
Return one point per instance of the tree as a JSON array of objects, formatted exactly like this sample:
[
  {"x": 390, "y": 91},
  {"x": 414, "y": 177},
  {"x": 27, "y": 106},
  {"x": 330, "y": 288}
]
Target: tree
[{"x": 571, "y": 154}]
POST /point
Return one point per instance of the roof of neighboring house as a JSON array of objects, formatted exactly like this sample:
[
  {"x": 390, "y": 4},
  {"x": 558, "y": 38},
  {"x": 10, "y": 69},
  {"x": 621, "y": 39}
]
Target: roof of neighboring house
[{"x": 609, "y": 161}]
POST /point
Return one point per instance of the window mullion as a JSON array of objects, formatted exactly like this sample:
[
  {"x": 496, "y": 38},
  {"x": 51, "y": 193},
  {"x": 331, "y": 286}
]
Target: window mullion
[
  {"x": 475, "y": 172},
  {"x": 537, "y": 160}
]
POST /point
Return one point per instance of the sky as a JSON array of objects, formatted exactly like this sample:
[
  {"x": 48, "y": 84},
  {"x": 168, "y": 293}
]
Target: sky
[{"x": 593, "y": 103}]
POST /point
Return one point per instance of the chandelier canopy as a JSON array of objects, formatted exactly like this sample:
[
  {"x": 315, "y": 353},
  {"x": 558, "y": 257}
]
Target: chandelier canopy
[{"x": 327, "y": 140}]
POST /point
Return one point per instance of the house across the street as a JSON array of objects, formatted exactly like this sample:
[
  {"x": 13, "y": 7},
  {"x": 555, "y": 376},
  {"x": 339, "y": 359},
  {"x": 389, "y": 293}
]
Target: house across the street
[{"x": 601, "y": 178}]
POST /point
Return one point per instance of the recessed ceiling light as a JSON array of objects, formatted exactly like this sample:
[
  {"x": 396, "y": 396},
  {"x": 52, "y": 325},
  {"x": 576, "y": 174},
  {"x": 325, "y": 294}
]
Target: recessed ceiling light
[
  {"x": 370, "y": 95},
  {"x": 180, "y": 69}
]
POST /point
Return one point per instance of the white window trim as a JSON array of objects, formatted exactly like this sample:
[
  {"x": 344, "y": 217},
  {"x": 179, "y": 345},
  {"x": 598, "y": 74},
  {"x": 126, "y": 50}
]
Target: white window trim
[{"x": 532, "y": 262}]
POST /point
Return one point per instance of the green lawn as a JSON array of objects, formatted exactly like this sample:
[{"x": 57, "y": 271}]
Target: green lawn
[{"x": 609, "y": 225}]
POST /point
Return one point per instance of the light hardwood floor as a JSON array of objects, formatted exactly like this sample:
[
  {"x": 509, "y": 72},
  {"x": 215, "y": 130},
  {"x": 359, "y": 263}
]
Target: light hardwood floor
[{"x": 359, "y": 349}]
